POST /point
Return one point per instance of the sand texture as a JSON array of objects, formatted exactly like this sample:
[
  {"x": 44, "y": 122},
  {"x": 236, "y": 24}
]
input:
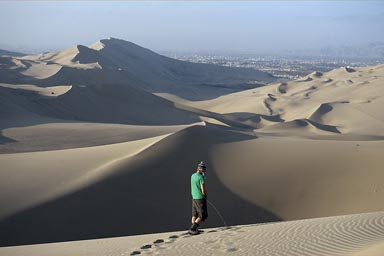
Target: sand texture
[
  {"x": 333, "y": 103},
  {"x": 100, "y": 142},
  {"x": 349, "y": 235}
]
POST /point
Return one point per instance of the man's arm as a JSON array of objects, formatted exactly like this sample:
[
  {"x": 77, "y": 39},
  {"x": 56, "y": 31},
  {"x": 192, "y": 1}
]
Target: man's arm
[{"x": 203, "y": 190}]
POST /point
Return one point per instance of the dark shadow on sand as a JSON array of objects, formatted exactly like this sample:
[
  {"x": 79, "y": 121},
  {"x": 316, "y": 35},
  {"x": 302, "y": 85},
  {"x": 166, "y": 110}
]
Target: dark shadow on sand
[
  {"x": 148, "y": 193},
  {"x": 5, "y": 140}
]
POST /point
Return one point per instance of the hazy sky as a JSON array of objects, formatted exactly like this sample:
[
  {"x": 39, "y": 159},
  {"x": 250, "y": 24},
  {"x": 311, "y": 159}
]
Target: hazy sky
[{"x": 192, "y": 25}]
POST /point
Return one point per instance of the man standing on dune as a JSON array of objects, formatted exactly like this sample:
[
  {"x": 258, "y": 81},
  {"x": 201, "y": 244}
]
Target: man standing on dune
[{"x": 199, "y": 197}]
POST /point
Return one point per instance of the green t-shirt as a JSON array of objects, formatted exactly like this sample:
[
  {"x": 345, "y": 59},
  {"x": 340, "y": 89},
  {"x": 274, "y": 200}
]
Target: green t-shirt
[{"x": 196, "y": 181}]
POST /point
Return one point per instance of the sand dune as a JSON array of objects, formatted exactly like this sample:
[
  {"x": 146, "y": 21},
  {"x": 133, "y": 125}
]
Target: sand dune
[
  {"x": 11, "y": 53},
  {"x": 100, "y": 142},
  {"x": 73, "y": 57},
  {"x": 52, "y": 91},
  {"x": 349, "y": 235},
  {"x": 163, "y": 163},
  {"x": 303, "y": 127},
  {"x": 115, "y": 104},
  {"x": 347, "y": 118},
  {"x": 108, "y": 82},
  {"x": 338, "y": 101},
  {"x": 52, "y": 134},
  {"x": 301, "y": 178},
  {"x": 104, "y": 104},
  {"x": 49, "y": 177},
  {"x": 265, "y": 179},
  {"x": 124, "y": 63},
  {"x": 40, "y": 70}
]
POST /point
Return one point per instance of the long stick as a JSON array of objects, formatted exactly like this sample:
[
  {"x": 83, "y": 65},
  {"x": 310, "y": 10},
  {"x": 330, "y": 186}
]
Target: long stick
[{"x": 218, "y": 213}]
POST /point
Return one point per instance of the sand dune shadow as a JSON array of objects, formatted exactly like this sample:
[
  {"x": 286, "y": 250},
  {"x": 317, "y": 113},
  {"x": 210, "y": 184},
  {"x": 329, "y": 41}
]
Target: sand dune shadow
[{"x": 148, "y": 193}]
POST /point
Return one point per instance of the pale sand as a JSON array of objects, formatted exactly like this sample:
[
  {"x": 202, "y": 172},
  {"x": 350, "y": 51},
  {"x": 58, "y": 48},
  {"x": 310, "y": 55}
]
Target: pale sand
[
  {"x": 349, "y": 235},
  {"x": 337, "y": 102},
  {"x": 308, "y": 148},
  {"x": 53, "y": 61},
  {"x": 301, "y": 178},
  {"x": 52, "y": 91}
]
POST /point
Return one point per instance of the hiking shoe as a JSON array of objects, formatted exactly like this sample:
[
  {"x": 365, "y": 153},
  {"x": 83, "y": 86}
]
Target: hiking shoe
[{"x": 194, "y": 227}]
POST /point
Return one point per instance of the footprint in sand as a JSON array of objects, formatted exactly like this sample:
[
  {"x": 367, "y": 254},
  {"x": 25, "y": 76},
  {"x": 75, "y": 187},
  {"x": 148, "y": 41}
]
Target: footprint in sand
[
  {"x": 172, "y": 239},
  {"x": 159, "y": 241},
  {"x": 232, "y": 249},
  {"x": 156, "y": 243}
]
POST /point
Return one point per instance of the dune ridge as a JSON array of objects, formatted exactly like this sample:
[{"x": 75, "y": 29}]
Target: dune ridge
[
  {"x": 54, "y": 134},
  {"x": 348, "y": 235}
]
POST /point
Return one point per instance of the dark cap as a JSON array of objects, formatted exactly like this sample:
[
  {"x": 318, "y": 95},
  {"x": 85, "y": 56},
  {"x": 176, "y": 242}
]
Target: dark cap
[{"x": 201, "y": 166}]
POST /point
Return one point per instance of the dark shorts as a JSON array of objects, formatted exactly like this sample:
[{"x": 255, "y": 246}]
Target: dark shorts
[{"x": 199, "y": 208}]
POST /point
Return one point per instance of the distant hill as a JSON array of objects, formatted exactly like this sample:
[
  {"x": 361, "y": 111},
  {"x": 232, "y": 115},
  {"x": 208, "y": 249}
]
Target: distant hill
[
  {"x": 115, "y": 61},
  {"x": 10, "y": 53},
  {"x": 112, "y": 81}
]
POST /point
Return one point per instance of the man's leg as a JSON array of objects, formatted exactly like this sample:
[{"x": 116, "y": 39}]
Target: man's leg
[
  {"x": 202, "y": 214},
  {"x": 196, "y": 220},
  {"x": 196, "y": 215}
]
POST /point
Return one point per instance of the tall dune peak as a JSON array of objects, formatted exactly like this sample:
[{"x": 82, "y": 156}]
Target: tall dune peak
[
  {"x": 111, "y": 41},
  {"x": 115, "y": 44},
  {"x": 81, "y": 47}
]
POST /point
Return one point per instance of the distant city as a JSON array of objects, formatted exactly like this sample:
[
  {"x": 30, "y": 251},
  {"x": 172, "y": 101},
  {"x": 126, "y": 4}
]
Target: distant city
[
  {"x": 292, "y": 64},
  {"x": 285, "y": 67}
]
